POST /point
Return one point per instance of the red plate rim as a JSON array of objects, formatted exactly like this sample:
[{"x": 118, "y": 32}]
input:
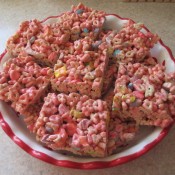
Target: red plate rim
[{"x": 89, "y": 165}]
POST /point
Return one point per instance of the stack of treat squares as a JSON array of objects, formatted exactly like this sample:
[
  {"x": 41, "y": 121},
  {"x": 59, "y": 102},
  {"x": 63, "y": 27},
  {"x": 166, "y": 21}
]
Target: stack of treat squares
[{"x": 83, "y": 88}]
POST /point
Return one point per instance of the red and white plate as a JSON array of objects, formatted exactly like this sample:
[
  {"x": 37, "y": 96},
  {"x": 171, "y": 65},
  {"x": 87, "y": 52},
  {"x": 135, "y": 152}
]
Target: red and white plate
[{"x": 146, "y": 139}]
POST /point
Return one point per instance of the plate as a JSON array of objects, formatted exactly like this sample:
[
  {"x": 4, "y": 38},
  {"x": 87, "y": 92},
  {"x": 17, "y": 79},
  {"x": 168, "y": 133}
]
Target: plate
[{"x": 146, "y": 139}]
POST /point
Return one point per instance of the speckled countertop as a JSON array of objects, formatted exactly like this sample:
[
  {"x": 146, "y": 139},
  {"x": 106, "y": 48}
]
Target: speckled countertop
[{"x": 158, "y": 17}]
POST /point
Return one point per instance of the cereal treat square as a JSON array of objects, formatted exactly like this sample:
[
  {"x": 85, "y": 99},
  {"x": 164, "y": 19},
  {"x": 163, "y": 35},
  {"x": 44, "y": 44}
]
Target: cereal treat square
[
  {"x": 83, "y": 72},
  {"x": 39, "y": 40},
  {"x": 130, "y": 44},
  {"x": 47, "y": 42},
  {"x": 23, "y": 82},
  {"x": 75, "y": 123},
  {"x": 121, "y": 132},
  {"x": 85, "y": 21},
  {"x": 80, "y": 22},
  {"x": 144, "y": 94},
  {"x": 48, "y": 46},
  {"x": 26, "y": 33}
]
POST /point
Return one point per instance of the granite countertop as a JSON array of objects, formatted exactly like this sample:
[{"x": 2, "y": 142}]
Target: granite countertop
[{"x": 158, "y": 17}]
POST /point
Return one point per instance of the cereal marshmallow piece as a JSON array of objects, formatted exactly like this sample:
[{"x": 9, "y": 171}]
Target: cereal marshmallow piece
[
  {"x": 143, "y": 93},
  {"x": 23, "y": 82},
  {"x": 75, "y": 123}
]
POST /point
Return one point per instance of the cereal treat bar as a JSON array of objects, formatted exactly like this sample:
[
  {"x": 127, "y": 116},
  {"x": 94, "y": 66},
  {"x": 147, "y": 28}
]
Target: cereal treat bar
[
  {"x": 37, "y": 40},
  {"x": 47, "y": 42},
  {"x": 120, "y": 131},
  {"x": 144, "y": 94},
  {"x": 74, "y": 123},
  {"x": 83, "y": 73},
  {"x": 84, "y": 21},
  {"x": 71, "y": 26},
  {"x": 130, "y": 44},
  {"x": 26, "y": 33},
  {"x": 23, "y": 82}
]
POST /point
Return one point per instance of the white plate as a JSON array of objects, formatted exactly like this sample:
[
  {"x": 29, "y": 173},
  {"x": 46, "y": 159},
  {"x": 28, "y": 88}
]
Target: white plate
[{"x": 147, "y": 138}]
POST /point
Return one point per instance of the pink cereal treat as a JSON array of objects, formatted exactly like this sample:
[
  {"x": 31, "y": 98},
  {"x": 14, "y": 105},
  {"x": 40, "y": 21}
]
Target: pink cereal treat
[
  {"x": 75, "y": 123},
  {"x": 83, "y": 88},
  {"x": 27, "y": 32},
  {"x": 121, "y": 132},
  {"x": 23, "y": 82},
  {"x": 90, "y": 22},
  {"x": 142, "y": 92},
  {"x": 130, "y": 44},
  {"x": 47, "y": 42},
  {"x": 81, "y": 72},
  {"x": 36, "y": 39}
]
